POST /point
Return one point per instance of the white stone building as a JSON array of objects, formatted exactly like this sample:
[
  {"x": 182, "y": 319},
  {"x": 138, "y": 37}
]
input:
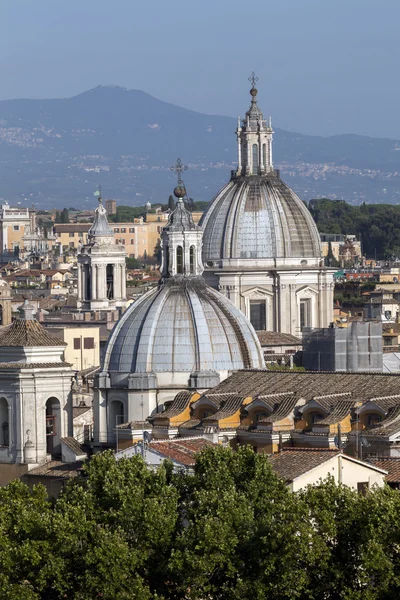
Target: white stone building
[
  {"x": 101, "y": 267},
  {"x": 181, "y": 335},
  {"x": 261, "y": 247},
  {"x": 35, "y": 396}
]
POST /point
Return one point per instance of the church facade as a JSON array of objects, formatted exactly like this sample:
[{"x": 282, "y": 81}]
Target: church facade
[{"x": 261, "y": 247}]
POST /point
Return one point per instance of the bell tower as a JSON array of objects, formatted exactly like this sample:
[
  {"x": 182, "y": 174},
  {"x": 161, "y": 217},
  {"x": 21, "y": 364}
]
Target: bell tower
[
  {"x": 101, "y": 267},
  {"x": 254, "y": 139},
  {"x": 181, "y": 239}
]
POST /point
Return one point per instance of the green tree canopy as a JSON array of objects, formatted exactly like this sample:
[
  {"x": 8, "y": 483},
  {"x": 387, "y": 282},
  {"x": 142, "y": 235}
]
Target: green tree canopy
[
  {"x": 230, "y": 530},
  {"x": 377, "y": 225}
]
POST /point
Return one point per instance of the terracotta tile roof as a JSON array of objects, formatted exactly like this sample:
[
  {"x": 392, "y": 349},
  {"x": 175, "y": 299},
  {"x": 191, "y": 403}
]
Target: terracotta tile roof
[
  {"x": 72, "y": 227},
  {"x": 228, "y": 407},
  {"x": 58, "y": 469},
  {"x": 178, "y": 405},
  {"x": 24, "y": 333},
  {"x": 386, "y": 402},
  {"x": 338, "y": 412},
  {"x": 275, "y": 338},
  {"x": 389, "y": 425},
  {"x": 50, "y": 303},
  {"x": 191, "y": 424},
  {"x": 73, "y": 445},
  {"x": 181, "y": 450},
  {"x": 282, "y": 409},
  {"x": 77, "y": 411},
  {"x": 21, "y": 366},
  {"x": 389, "y": 464},
  {"x": 309, "y": 385},
  {"x": 294, "y": 462},
  {"x": 145, "y": 425}
]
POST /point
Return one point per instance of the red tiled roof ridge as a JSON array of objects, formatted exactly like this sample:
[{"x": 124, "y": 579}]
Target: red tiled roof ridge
[
  {"x": 26, "y": 333},
  {"x": 335, "y": 450}
]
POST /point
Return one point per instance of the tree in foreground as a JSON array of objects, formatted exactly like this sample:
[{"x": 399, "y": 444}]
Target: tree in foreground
[{"x": 230, "y": 530}]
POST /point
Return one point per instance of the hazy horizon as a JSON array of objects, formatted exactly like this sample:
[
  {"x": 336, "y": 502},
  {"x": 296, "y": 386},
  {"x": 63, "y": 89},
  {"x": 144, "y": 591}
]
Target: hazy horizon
[{"x": 323, "y": 68}]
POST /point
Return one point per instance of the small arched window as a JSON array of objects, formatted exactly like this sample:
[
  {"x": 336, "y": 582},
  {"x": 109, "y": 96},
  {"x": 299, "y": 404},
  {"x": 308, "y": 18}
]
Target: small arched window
[
  {"x": 191, "y": 259},
  {"x": 264, "y": 151},
  {"x": 255, "y": 159},
  {"x": 179, "y": 260}
]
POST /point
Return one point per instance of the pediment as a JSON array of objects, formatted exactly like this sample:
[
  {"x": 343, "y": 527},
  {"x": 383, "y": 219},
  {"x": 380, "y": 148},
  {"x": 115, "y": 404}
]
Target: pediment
[
  {"x": 306, "y": 291},
  {"x": 257, "y": 292}
]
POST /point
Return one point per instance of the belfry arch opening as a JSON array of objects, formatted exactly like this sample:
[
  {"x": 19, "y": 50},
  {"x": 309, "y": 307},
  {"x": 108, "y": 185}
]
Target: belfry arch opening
[
  {"x": 191, "y": 259},
  {"x": 110, "y": 282},
  {"x": 1, "y": 315},
  {"x": 53, "y": 427},
  {"x": 255, "y": 159},
  {"x": 179, "y": 260},
  {"x": 4, "y": 423}
]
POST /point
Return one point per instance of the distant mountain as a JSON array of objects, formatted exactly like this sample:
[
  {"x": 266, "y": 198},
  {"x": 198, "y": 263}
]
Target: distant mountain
[{"x": 55, "y": 153}]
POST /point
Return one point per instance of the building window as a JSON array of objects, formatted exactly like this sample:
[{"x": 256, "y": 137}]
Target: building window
[
  {"x": 305, "y": 320},
  {"x": 260, "y": 416},
  {"x": 77, "y": 343},
  {"x": 116, "y": 230},
  {"x": 50, "y": 425},
  {"x": 191, "y": 259},
  {"x": 374, "y": 419},
  {"x": 132, "y": 241},
  {"x": 316, "y": 417},
  {"x": 122, "y": 241},
  {"x": 258, "y": 317},
  {"x": 71, "y": 234},
  {"x": 123, "y": 230},
  {"x": 179, "y": 260},
  {"x": 362, "y": 487},
  {"x": 88, "y": 343},
  {"x": 16, "y": 227},
  {"x": 255, "y": 159},
  {"x": 131, "y": 230},
  {"x": 264, "y": 149}
]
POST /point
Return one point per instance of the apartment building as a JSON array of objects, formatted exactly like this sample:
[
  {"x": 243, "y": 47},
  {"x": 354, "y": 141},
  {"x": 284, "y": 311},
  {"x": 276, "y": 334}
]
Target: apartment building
[
  {"x": 14, "y": 224},
  {"x": 71, "y": 235}
]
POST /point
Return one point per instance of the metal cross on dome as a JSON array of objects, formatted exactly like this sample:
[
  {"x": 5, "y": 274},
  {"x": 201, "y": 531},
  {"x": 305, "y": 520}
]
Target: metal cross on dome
[
  {"x": 253, "y": 79},
  {"x": 179, "y": 168}
]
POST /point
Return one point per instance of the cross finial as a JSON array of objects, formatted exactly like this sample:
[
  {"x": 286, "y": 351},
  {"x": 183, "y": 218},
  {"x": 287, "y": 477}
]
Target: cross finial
[
  {"x": 98, "y": 193},
  {"x": 179, "y": 168},
  {"x": 253, "y": 79}
]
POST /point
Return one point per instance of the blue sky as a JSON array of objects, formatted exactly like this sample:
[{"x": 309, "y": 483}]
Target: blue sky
[{"x": 324, "y": 67}]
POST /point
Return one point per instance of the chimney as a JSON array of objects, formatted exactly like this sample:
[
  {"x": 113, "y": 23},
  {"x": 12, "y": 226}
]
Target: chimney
[{"x": 87, "y": 316}]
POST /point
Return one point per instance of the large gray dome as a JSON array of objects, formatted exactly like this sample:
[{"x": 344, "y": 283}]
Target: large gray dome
[
  {"x": 182, "y": 326},
  {"x": 258, "y": 217}
]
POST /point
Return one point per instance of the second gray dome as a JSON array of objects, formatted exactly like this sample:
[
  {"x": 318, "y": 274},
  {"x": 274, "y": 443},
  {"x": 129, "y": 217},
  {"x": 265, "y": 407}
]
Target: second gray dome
[{"x": 258, "y": 217}]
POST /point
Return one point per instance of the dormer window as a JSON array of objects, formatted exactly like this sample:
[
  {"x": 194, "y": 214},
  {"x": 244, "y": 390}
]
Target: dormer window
[{"x": 373, "y": 419}]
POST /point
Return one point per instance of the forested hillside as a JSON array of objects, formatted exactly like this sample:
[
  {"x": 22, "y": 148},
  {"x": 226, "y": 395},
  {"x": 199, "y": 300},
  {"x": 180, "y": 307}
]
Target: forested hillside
[{"x": 377, "y": 225}]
